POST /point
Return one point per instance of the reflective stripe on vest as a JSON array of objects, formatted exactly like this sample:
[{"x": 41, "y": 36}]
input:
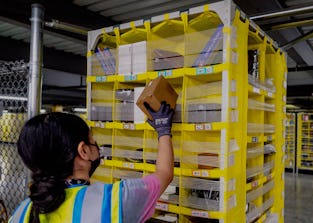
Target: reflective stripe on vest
[
  {"x": 20, "y": 213},
  {"x": 107, "y": 196},
  {"x": 99, "y": 203}
]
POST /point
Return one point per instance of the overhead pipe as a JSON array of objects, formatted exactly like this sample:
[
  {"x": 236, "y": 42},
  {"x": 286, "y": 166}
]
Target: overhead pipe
[
  {"x": 286, "y": 12},
  {"x": 35, "y": 60},
  {"x": 67, "y": 27}
]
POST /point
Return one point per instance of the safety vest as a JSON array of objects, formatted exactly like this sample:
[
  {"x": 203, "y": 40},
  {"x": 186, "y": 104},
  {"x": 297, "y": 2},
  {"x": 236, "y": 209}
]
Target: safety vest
[{"x": 97, "y": 203}]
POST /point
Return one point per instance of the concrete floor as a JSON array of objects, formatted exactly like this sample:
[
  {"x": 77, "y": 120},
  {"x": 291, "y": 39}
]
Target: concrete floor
[{"x": 298, "y": 198}]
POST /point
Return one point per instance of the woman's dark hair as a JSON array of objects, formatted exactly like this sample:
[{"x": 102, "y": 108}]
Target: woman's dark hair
[{"x": 48, "y": 145}]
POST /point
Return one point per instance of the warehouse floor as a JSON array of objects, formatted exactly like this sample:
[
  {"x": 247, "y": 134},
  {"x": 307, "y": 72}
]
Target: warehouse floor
[{"x": 298, "y": 198}]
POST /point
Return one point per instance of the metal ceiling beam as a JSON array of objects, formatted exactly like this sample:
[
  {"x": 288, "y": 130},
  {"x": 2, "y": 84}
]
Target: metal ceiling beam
[
  {"x": 284, "y": 12},
  {"x": 53, "y": 59},
  {"x": 159, "y": 9},
  {"x": 297, "y": 40},
  {"x": 287, "y": 24},
  {"x": 60, "y": 10},
  {"x": 296, "y": 69}
]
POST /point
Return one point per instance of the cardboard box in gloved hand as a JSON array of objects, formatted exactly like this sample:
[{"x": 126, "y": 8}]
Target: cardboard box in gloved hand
[{"x": 155, "y": 92}]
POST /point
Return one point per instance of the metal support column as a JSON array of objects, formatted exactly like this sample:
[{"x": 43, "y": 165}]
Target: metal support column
[{"x": 35, "y": 61}]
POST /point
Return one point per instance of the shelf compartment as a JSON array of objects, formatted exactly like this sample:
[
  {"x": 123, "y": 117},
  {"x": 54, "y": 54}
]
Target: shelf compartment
[
  {"x": 257, "y": 105},
  {"x": 200, "y": 193},
  {"x": 126, "y": 174},
  {"x": 260, "y": 128}
]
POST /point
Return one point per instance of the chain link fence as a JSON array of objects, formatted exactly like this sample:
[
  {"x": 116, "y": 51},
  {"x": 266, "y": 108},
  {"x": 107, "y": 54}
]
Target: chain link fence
[{"x": 13, "y": 114}]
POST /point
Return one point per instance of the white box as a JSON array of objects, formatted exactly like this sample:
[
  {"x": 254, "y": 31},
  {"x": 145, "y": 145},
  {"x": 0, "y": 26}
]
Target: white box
[
  {"x": 125, "y": 59},
  {"x": 139, "y": 57},
  {"x": 139, "y": 116}
]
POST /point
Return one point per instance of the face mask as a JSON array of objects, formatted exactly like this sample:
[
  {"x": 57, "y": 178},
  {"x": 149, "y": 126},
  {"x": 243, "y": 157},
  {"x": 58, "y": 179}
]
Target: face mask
[{"x": 94, "y": 164}]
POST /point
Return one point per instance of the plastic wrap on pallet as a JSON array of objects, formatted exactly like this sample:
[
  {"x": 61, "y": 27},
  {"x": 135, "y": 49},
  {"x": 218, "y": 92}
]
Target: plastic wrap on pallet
[
  {"x": 210, "y": 47},
  {"x": 125, "y": 95},
  {"x": 128, "y": 141},
  {"x": 260, "y": 128},
  {"x": 254, "y": 194},
  {"x": 267, "y": 86},
  {"x": 257, "y": 105},
  {"x": 164, "y": 60},
  {"x": 201, "y": 147},
  {"x": 203, "y": 160},
  {"x": 252, "y": 212},
  {"x": 271, "y": 218},
  {"x": 253, "y": 171},
  {"x": 130, "y": 155},
  {"x": 200, "y": 184},
  {"x": 200, "y": 203},
  {"x": 254, "y": 152},
  {"x": 124, "y": 111},
  {"x": 103, "y": 61},
  {"x": 267, "y": 167},
  {"x": 102, "y": 94},
  {"x": 101, "y": 112},
  {"x": 203, "y": 90},
  {"x": 267, "y": 204}
]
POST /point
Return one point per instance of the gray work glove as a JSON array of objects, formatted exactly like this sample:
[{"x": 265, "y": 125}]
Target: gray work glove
[{"x": 162, "y": 119}]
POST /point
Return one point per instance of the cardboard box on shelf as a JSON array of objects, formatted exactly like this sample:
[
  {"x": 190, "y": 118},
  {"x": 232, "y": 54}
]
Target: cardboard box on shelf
[{"x": 155, "y": 92}]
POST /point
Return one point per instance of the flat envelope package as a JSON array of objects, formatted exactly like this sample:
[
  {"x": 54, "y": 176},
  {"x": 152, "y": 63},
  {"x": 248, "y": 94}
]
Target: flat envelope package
[{"x": 155, "y": 92}]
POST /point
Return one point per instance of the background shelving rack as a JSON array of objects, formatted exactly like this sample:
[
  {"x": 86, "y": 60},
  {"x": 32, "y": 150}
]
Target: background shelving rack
[
  {"x": 228, "y": 167},
  {"x": 290, "y": 141},
  {"x": 305, "y": 141}
]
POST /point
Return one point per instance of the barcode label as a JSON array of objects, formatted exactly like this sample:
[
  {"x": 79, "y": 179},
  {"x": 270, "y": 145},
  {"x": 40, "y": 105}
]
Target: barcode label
[
  {"x": 129, "y": 126},
  {"x": 196, "y": 173},
  {"x": 99, "y": 124},
  {"x": 256, "y": 90},
  {"x": 129, "y": 165},
  {"x": 201, "y": 127},
  {"x": 161, "y": 206},
  {"x": 101, "y": 79},
  {"x": 201, "y": 214}
]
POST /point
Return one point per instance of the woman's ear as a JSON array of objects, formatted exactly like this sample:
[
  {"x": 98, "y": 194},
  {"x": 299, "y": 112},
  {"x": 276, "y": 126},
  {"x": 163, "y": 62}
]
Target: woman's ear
[{"x": 83, "y": 151}]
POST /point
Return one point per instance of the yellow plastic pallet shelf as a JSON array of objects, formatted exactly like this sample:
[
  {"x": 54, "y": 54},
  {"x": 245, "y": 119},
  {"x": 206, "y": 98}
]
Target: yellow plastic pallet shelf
[
  {"x": 151, "y": 168},
  {"x": 259, "y": 182},
  {"x": 214, "y": 173},
  {"x": 202, "y": 213},
  {"x": 122, "y": 164},
  {"x": 129, "y": 126},
  {"x": 100, "y": 124},
  {"x": 304, "y": 141},
  {"x": 290, "y": 141},
  {"x": 213, "y": 126},
  {"x": 167, "y": 207},
  {"x": 132, "y": 78},
  {"x": 257, "y": 91},
  {"x": 203, "y": 53},
  {"x": 97, "y": 79}
]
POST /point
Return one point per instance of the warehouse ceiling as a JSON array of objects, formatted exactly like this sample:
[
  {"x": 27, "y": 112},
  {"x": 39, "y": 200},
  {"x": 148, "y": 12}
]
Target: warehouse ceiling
[{"x": 288, "y": 22}]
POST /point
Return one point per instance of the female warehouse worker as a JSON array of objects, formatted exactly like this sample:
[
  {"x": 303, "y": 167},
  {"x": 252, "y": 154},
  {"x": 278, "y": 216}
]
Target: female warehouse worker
[{"x": 62, "y": 154}]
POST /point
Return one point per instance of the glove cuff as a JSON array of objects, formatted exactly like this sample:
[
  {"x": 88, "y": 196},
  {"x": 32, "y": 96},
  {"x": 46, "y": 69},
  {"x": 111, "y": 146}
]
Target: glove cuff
[{"x": 165, "y": 132}]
